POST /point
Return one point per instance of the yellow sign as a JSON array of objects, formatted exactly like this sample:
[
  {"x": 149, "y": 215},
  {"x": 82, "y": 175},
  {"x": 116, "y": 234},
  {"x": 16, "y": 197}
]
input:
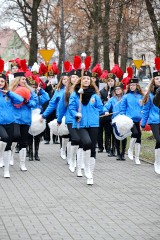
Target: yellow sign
[
  {"x": 46, "y": 54},
  {"x": 138, "y": 63}
]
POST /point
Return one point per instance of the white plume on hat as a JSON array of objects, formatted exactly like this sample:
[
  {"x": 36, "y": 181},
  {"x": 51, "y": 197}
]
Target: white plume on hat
[{"x": 35, "y": 68}]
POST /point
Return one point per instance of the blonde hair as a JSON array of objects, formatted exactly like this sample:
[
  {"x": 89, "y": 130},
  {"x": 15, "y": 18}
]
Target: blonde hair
[
  {"x": 60, "y": 84},
  {"x": 6, "y": 86},
  {"x": 69, "y": 89},
  {"x": 150, "y": 90},
  {"x": 15, "y": 84}
]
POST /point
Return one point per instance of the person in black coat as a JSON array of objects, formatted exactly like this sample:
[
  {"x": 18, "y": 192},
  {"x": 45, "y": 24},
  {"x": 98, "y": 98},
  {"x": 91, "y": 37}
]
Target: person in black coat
[{"x": 105, "y": 134}]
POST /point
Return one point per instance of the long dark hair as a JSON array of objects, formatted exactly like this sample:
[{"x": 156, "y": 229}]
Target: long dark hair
[
  {"x": 69, "y": 88},
  {"x": 138, "y": 88},
  {"x": 150, "y": 90}
]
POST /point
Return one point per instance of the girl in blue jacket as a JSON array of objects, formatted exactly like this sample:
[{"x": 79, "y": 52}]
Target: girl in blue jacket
[
  {"x": 131, "y": 106},
  {"x": 43, "y": 97},
  {"x": 114, "y": 104},
  {"x": 151, "y": 113},
  {"x": 73, "y": 145},
  {"x": 23, "y": 116},
  {"x": 85, "y": 115},
  {"x": 54, "y": 105},
  {"x": 7, "y": 118}
]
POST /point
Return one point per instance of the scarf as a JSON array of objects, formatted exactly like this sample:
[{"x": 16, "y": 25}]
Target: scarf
[{"x": 86, "y": 96}]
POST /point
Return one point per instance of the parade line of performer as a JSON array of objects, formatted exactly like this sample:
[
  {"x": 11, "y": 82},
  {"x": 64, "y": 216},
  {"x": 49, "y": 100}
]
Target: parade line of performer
[{"x": 89, "y": 101}]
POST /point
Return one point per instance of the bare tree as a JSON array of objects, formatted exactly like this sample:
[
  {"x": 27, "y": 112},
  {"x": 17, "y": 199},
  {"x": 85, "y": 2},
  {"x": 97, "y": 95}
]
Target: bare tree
[{"x": 153, "y": 8}]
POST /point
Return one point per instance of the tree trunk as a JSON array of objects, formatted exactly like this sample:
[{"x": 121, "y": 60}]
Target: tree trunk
[
  {"x": 34, "y": 29},
  {"x": 154, "y": 22},
  {"x": 118, "y": 35},
  {"x": 105, "y": 35}
]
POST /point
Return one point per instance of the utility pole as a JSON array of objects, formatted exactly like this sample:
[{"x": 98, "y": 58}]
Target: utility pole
[{"x": 63, "y": 36}]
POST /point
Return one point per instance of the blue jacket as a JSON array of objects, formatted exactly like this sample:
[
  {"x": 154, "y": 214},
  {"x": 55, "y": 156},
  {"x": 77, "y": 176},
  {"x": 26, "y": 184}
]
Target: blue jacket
[
  {"x": 131, "y": 106},
  {"x": 54, "y": 103},
  {"x": 63, "y": 110},
  {"x": 42, "y": 98},
  {"x": 6, "y": 106},
  {"x": 23, "y": 114},
  {"x": 113, "y": 104},
  {"x": 90, "y": 112},
  {"x": 150, "y": 112}
]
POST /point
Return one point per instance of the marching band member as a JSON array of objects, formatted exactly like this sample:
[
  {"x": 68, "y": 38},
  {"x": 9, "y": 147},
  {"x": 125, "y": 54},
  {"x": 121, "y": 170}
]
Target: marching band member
[
  {"x": 131, "y": 106},
  {"x": 23, "y": 113},
  {"x": 54, "y": 104},
  {"x": 7, "y": 118},
  {"x": 35, "y": 83},
  {"x": 51, "y": 84},
  {"x": 86, "y": 122},
  {"x": 64, "y": 111},
  {"x": 151, "y": 112},
  {"x": 114, "y": 103},
  {"x": 105, "y": 123}
]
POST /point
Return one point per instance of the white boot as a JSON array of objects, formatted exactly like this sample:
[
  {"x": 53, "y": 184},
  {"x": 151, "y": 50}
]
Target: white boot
[
  {"x": 87, "y": 170},
  {"x": 137, "y": 152},
  {"x": 63, "y": 149},
  {"x": 79, "y": 162},
  {"x": 2, "y": 148},
  {"x": 131, "y": 146},
  {"x": 82, "y": 161},
  {"x": 68, "y": 152},
  {"x": 12, "y": 153},
  {"x": 22, "y": 158},
  {"x": 7, "y": 157},
  {"x": 157, "y": 161},
  {"x": 92, "y": 166},
  {"x": 73, "y": 158}
]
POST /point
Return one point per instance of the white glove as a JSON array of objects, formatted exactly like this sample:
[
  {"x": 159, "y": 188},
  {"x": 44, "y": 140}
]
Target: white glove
[
  {"x": 81, "y": 90},
  {"x": 79, "y": 115}
]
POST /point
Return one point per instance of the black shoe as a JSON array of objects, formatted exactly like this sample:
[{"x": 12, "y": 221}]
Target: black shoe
[
  {"x": 110, "y": 154},
  {"x": 118, "y": 157},
  {"x": 100, "y": 150},
  {"x": 37, "y": 158},
  {"x": 30, "y": 158},
  {"x": 123, "y": 157},
  {"x": 46, "y": 142}
]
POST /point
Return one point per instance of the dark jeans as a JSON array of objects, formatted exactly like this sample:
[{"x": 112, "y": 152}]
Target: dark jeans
[
  {"x": 88, "y": 137},
  {"x": 156, "y": 133},
  {"x": 6, "y": 134}
]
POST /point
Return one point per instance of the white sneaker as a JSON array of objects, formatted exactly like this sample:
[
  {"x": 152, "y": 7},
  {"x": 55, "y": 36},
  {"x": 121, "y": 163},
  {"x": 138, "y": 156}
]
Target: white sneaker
[
  {"x": 79, "y": 173},
  {"x": 130, "y": 154},
  {"x": 156, "y": 168},
  {"x": 89, "y": 181},
  {"x": 71, "y": 168},
  {"x": 6, "y": 174},
  {"x": 137, "y": 161},
  {"x": 63, "y": 154}
]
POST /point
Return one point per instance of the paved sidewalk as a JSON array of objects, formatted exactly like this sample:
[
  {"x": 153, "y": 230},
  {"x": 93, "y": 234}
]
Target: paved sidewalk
[{"x": 49, "y": 202}]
